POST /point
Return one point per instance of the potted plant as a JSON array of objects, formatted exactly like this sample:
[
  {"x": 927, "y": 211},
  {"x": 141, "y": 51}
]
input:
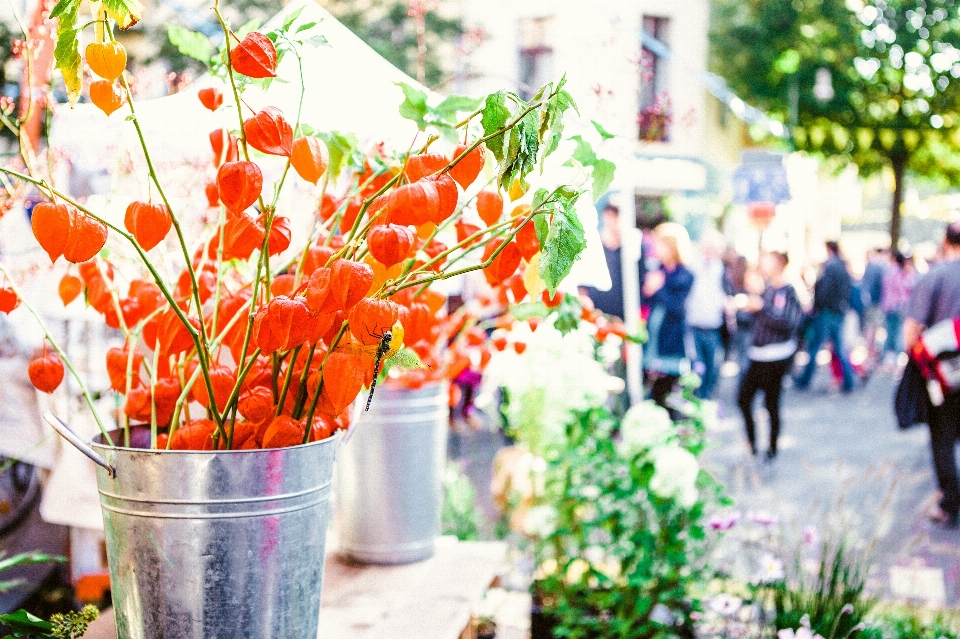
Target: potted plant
[
  {"x": 612, "y": 509},
  {"x": 243, "y": 352}
]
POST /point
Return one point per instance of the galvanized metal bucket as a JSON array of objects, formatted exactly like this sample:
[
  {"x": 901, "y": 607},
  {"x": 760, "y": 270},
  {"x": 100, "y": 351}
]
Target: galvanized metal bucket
[
  {"x": 203, "y": 545},
  {"x": 390, "y": 477}
]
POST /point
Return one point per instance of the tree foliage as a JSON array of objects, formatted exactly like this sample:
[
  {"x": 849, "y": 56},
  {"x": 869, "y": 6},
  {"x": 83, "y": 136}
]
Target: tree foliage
[{"x": 893, "y": 66}]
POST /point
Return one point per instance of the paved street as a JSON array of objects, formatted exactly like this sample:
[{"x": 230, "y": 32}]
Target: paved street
[{"x": 843, "y": 466}]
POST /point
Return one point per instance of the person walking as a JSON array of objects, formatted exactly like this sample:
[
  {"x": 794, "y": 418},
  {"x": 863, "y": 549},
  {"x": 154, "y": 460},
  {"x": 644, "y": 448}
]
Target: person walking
[
  {"x": 936, "y": 298},
  {"x": 777, "y": 317},
  {"x": 898, "y": 282},
  {"x": 665, "y": 291},
  {"x": 610, "y": 302},
  {"x": 705, "y": 309},
  {"x": 831, "y": 300},
  {"x": 738, "y": 321},
  {"x": 871, "y": 295}
]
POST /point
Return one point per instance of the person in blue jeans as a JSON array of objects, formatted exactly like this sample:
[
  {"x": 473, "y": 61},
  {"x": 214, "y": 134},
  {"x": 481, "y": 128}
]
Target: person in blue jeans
[
  {"x": 706, "y": 304},
  {"x": 831, "y": 300}
]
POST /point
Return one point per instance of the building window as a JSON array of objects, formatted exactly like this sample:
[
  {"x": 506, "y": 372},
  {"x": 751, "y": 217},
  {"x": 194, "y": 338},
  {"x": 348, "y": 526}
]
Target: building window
[
  {"x": 536, "y": 55},
  {"x": 655, "y": 114}
]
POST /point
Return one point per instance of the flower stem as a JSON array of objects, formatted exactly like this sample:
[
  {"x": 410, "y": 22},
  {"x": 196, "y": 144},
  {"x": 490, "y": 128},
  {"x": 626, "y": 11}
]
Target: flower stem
[{"x": 63, "y": 356}]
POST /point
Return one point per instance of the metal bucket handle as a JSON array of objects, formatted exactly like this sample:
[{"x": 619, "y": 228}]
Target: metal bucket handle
[{"x": 67, "y": 433}]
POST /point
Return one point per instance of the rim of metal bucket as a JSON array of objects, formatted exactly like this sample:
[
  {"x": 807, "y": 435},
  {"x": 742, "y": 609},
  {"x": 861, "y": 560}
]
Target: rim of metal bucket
[
  {"x": 359, "y": 411},
  {"x": 64, "y": 430},
  {"x": 99, "y": 444}
]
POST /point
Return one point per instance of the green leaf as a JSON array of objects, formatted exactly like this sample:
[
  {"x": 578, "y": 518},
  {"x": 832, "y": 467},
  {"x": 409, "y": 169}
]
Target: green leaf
[
  {"x": 292, "y": 18},
  {"x": 126, "y": 12},
  {"x": 495, "y": 117},
  {"x": 340, "y": 147},
  {"x": 23, "y": 624},
  {"x": 316, "y": 41},
  {"x": 520, "y": 157},
  {"x": 190, "y": 43},
  {"x": 305, "y": 26},
  {"x": 603, "y": 172},
  {"x": 565, "y": 240},
  {"x": 64, "y": 6},
  {"x": 542, "y": 227},
  {"x": 551, "y": 128},
  {"x": 67, "y": 50},
  {"x": 584, "y": 153},
  {"x": 414, "y": 106},
  {"x": 452, "y": 105},
  {"x": 405, "y": 358},
  {"x": 606, "y": 135},
  {"x": 526, "y": 310},
  {"x": 26, "y": 558}
]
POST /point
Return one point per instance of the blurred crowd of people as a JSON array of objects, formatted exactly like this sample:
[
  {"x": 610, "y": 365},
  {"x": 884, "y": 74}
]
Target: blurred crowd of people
[{"x": 709, "y": 310}]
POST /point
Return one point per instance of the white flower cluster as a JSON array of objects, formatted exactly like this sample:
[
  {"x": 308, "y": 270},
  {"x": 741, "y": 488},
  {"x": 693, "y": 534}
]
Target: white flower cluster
[
  {"x": 555, "y": 376},
  {"x": 647, "y": 428}
]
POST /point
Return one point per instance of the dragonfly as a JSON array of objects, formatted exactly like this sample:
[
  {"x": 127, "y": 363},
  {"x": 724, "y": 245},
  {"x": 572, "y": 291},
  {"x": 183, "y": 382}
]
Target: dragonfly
[{"x": 389, "y": 349}]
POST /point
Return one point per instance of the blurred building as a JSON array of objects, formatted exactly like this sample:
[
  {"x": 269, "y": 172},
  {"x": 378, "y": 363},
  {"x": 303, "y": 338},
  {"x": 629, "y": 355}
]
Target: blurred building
[
  {"x": 685, "y": 141},
  {"x": 640, "y": 67}
]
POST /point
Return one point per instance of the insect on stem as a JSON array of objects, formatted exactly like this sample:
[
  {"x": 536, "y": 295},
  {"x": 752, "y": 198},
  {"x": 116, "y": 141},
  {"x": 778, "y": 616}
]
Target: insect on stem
[{"x": 382, "y": 350}]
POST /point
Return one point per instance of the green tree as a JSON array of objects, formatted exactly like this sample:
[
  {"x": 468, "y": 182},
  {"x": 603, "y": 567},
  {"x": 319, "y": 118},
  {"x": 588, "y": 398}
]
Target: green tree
[
  {"x": 411, "y": 34},
  {"x": 872, "y": 82}
]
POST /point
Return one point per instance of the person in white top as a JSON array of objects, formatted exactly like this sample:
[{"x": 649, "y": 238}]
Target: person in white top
[{"x": 705, "y": 309}]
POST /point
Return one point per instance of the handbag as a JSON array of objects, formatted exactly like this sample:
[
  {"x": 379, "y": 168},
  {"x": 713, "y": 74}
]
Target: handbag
[{"x": 937, "y": 355}]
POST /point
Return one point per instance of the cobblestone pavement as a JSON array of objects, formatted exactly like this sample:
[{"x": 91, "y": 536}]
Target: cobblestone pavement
[{"x": 843, "y": 465}]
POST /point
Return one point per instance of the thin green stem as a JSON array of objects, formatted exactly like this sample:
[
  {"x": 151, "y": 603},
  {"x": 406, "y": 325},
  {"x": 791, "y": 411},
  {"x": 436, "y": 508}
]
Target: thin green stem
[
  {"x": 194, "y": 335},
  {"x": 155, "y": 178},
  {"x": 63, "y": 356},
  {"x": 291, "y": 365},
  {"x": 316, "y": 396},
  {"x": 302, "y": 390}
]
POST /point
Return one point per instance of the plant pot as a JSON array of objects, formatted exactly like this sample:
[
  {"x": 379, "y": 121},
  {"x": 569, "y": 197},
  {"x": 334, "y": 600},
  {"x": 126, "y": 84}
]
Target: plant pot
[
  {"x": 210, "y": 544},
  {"x": 390, "y": 477}
]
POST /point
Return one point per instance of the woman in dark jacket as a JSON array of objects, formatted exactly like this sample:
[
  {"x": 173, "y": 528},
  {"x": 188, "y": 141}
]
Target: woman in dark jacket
[
  {"x": 777, "y": 318},
  {"x": 665, "y": 291}
]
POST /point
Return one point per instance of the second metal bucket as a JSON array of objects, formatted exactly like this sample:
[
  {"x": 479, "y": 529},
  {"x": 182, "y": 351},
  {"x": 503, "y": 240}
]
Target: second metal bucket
[
  {"x": 225, "y": 544},
  {"x": 390, "y": 477}
]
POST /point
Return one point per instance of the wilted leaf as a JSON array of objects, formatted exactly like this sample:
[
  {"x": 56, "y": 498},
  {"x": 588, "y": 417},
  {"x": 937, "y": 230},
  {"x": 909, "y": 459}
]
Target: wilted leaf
[
  {"x": 67, "y": 50},
  {"x": 126, "y": 12}
]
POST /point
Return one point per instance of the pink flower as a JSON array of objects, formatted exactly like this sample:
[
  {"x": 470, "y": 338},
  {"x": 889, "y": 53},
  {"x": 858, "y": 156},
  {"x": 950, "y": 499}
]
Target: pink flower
[
  {"x": 724, "y": 520},
  {"x": 763, "y": 518},
  {"x": 726, "y": 605},
  {"x": 810, "y": 536}
]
